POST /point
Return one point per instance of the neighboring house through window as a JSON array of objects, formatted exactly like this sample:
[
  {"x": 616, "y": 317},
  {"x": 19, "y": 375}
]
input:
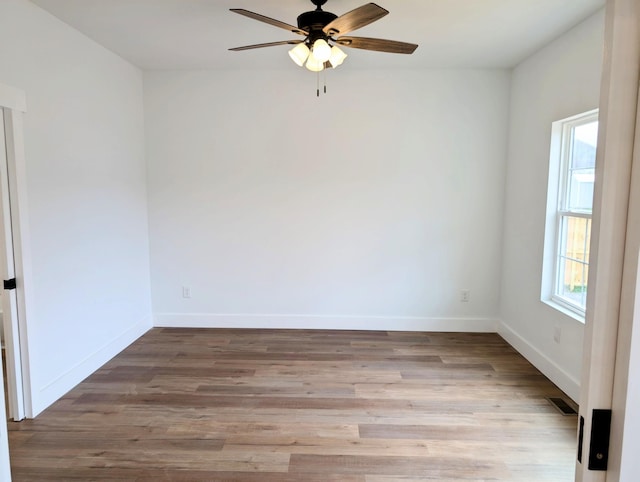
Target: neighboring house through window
[{"x": 569, "y": 209}]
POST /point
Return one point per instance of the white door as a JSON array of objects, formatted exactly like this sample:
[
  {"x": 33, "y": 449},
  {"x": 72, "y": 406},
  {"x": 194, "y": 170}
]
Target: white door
[
  {"x": 8, "y": 280},
  {"x": 611, "y": 298}
]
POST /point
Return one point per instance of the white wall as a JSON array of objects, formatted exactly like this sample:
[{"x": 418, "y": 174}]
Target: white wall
[
  {"x": 86, "y": 196},
  {"x": 560, "y": 80},
  {"x": 369, "y": 207}
]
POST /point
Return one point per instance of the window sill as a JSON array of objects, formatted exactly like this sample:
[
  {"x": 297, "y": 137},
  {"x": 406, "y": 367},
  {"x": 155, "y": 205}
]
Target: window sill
[{"x": 564, "y": 310}]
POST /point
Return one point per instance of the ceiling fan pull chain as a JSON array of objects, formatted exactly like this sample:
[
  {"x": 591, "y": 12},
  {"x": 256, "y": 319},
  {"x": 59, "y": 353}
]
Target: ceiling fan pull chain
[
  {"x": 324, "y": 72},
  {"x": 318, "y": 85}
]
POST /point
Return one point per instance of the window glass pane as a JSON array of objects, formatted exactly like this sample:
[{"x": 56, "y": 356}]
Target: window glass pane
[
  {"x": 582, "y": 167},
  {"x": 573, "y": 286},
  {"x": 573, "y": 259},
  {"x": 585, "y": 139},
  {"x": 581, "y": 190},
  {"x": 575, "y": 238}
]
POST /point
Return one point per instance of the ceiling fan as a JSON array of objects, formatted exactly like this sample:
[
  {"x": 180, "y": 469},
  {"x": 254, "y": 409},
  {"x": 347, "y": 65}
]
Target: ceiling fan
[{"x": 324, "y": 31}]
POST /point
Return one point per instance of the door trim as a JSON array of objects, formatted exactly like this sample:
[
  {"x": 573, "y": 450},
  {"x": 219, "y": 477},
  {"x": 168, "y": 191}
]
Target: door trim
[
  {"x": 625, "y": 383},
  {"x": 606, "y": 325},
  {"x": 13, "y": 102},
  {"x": 10, "y": 315}
]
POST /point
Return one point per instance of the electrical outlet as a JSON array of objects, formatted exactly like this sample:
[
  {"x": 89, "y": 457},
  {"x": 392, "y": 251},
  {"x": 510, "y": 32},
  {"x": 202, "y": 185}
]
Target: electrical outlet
[
  {"x": 557, "y": 334},
  {"x": 464, "y": 296},
  {"x": 186, "y": 292}
]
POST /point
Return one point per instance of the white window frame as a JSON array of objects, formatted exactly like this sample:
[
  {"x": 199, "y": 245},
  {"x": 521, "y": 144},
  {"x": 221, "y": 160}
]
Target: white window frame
[{"x": 558, "y": 210}]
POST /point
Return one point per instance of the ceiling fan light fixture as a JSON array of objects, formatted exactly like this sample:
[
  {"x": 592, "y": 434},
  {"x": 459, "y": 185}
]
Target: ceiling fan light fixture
[
  {"x": 313, "y": 64},
  {"x": 321, "y": 50},
  {"x": 299, "y": 53},
  {"x": 337, "y": 56},
  {"x": 322, "y": 30}
]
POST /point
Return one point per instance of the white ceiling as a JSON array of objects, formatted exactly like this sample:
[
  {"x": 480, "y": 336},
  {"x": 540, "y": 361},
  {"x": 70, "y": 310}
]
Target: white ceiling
[{"x": 195, "y": 34}]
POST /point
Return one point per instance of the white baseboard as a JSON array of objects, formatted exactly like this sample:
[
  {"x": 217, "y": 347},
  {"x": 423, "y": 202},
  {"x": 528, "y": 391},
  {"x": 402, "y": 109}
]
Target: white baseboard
[
  {"x": 555, "y": 373},
  {"x": 322, "y": 322},
  {"x": 55, "y": 389}
]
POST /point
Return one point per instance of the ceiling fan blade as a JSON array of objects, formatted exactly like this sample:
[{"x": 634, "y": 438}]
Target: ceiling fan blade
[
  {"x": 377, "y": 44},
  {"x": 270, "y": 21},
  {"x": 270, "y": 44},
  {"x": 355, "y": 19}
]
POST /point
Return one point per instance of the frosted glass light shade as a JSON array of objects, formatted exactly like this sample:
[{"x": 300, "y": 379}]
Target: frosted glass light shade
[
  {"x": 299, "y": 53},
  {"x": 337, "y": 56},
  {"x": 321, "y": 50},
  {"x": 313, "y": 64}
]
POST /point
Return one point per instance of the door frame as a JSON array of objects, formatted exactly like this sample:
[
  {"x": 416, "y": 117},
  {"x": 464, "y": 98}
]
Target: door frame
[
  {"x": 625, "y": 439},
  {"x": 13, "y": 107},
  {"x": 615, "y": 242}
]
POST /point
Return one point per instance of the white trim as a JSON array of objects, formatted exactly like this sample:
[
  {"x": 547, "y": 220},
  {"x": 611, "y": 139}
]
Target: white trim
[
  {"x": 13, "y": 98},
  {"x": 625, "y": 436},
  {"x": 565, "y": 310},
  {"x": 565, "y": 306},
  {"x": 603, "y": 353},
  {"x": 16, "y": 164},
  {"x": 15, "y": 391},
  {"x": 55, "y": 389},
  {"x": 324, "y": 322},
  {"x": 575, "y": 214},
  {"x": 560, "y": 154},
  {"x": 567, "y": 383}
]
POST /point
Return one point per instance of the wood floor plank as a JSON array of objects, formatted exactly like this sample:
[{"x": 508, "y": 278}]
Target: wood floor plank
[
  {"x": 303, "y": 405},
  {"x": 495, "y": 434},
  {"x": 398, "y": 466}
]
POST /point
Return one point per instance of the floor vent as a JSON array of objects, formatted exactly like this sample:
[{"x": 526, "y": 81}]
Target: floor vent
[{"x": 563, "y": 407}]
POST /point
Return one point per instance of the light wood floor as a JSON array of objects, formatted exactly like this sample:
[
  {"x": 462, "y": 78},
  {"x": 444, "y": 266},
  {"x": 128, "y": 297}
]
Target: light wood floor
[{"x": 312, "y": 406}]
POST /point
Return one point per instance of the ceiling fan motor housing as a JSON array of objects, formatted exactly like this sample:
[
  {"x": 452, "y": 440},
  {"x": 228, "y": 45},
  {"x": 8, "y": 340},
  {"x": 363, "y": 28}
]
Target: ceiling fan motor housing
[{"x": 314, "y": 21}]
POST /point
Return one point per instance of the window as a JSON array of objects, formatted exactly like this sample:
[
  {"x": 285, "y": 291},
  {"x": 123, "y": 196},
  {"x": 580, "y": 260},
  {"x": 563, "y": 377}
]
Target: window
[{"x": 569, "y": 208}]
